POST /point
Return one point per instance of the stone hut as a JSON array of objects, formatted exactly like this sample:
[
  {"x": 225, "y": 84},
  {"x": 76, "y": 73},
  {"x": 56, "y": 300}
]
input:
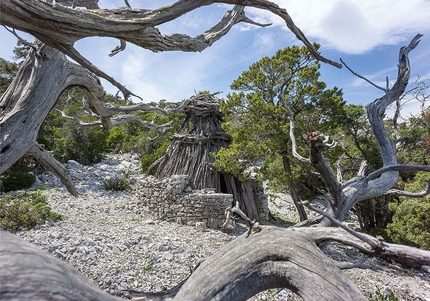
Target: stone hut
[{"x": 199, "y": 135}]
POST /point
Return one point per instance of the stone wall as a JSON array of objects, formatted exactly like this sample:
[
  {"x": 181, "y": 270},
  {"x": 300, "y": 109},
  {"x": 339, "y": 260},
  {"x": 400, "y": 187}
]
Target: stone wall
[{"x": 173, "y": 199}]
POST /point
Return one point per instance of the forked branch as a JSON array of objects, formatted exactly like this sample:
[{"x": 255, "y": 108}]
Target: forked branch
[{"x": 138, "y": 26}]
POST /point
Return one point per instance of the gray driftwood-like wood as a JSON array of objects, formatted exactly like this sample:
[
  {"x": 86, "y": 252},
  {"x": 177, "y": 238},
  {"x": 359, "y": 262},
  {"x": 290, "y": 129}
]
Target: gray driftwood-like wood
[
  {"x": 245, "y": 195},
  {"x": 64, "y": 25},
  {"x": 28, "y": 273},
  {"x": 42, "y": 77},
  {"x": 343, "y": 195},
  {"x": 46, "y": 159},
  {"x": 239, "y": 270},
  {"x": 273, "y": 257},
  {"x": 198, "y": 135}
]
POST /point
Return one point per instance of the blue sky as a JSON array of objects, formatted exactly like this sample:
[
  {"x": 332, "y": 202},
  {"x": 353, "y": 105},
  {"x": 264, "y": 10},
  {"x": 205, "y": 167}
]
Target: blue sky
[{"x": 366, "y": 34}]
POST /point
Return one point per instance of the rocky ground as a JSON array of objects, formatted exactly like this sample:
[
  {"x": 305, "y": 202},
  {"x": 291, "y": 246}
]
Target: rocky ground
[{"x": 105, "y": 235}]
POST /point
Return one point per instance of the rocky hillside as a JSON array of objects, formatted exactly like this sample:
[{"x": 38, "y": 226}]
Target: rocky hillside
[{"x": 105, "y": 235}]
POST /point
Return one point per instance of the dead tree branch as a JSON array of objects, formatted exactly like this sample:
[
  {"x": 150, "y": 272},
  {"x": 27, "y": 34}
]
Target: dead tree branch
[
  {"x": 61, "y": 30},
  {"x": 398, "y": 167},
  {"x": 292, "y": 126},
  {"x": 421, "y": 194},
  {"x": 341, "y": 225},
  {"x": 359, "y": 264},
  {"x": 33, "y": 90},
  {"x": 362, "y": 77},
  {"x": 48, "y": 161},
  {"x": 384, "y": 179}
]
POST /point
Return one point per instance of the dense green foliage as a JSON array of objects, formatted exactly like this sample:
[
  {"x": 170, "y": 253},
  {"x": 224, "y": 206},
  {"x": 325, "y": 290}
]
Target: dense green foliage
[
  {"x": 66, "y": 138},
  {"x": 411, "y": 223},
  {"x": 150, "y": 158},
  {"x": 25, "y": 210},
  {"x": 259, "y": 124},
  {"x": 8, "y": 69},
  {"x": 411, "y": 220},
  {"x": 88, "y": 144},
  {"x": 20, "y": 175},
  {"x": 15, "y": 180},
  {"x": 7, "y": 72}
]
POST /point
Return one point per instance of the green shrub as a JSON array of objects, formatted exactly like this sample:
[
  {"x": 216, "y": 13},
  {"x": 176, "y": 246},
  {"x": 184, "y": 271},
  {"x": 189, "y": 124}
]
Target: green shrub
[
  {"x": 148, "y": 159},
  {"x": 25, "y": 210},
  {"x": 116, "y": 183},
  {"x": 411, "y": 223},
  {"x": 380, "y": 296},
  {"x": 116, "y": 138},
  {"x": 12, "y": 181}
]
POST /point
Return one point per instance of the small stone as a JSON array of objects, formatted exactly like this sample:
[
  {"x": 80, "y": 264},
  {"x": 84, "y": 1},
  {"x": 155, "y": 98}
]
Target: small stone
[
  {"x": 55, "y": 235},
  {"x": 425, "y": 268},
  {"x": 163, "y": 248},
  {"x": 201, "y": 226},
  {"x": 178, "y": 250}
]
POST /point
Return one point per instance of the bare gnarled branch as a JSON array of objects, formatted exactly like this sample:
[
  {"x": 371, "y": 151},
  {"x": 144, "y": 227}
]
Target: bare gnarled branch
[
  {"x": 367, "y": 80},
  {"x": 137, "y": 26},
  {"x": 291, "y": 118},
  {"x": 48, "y": 161},
  {"x": 421, "y": 194},
  {"x": 398, "y": 167}
]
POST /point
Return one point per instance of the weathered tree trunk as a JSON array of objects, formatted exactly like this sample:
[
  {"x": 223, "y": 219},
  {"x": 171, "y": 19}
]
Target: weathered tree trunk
[
  {"x": 343, "y": 198},
  {"x": 239, "y": 270},
  {"x": 293, "y": 192},
  {"x": 28, "y": 273},
  {"x": 53, "y": 165},
  {"x": 36, "y": 89},
  {"x": 43, "y": 76}
]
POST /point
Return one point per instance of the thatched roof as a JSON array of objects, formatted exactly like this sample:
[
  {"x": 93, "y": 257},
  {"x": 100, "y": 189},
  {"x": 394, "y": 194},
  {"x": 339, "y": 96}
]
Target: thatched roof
[{"x": 199, "y": 135}]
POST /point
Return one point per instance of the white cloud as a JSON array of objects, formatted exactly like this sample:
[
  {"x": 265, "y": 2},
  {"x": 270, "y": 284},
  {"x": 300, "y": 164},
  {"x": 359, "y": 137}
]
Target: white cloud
[
  {"x": 352, "y": 26},
  {"x": 263, "y": 41},
  {"x": 171, "y": 75}
]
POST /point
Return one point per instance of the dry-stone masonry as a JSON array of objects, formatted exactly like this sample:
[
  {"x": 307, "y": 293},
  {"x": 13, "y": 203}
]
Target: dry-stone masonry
[{"x": 172, "y": 199}]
